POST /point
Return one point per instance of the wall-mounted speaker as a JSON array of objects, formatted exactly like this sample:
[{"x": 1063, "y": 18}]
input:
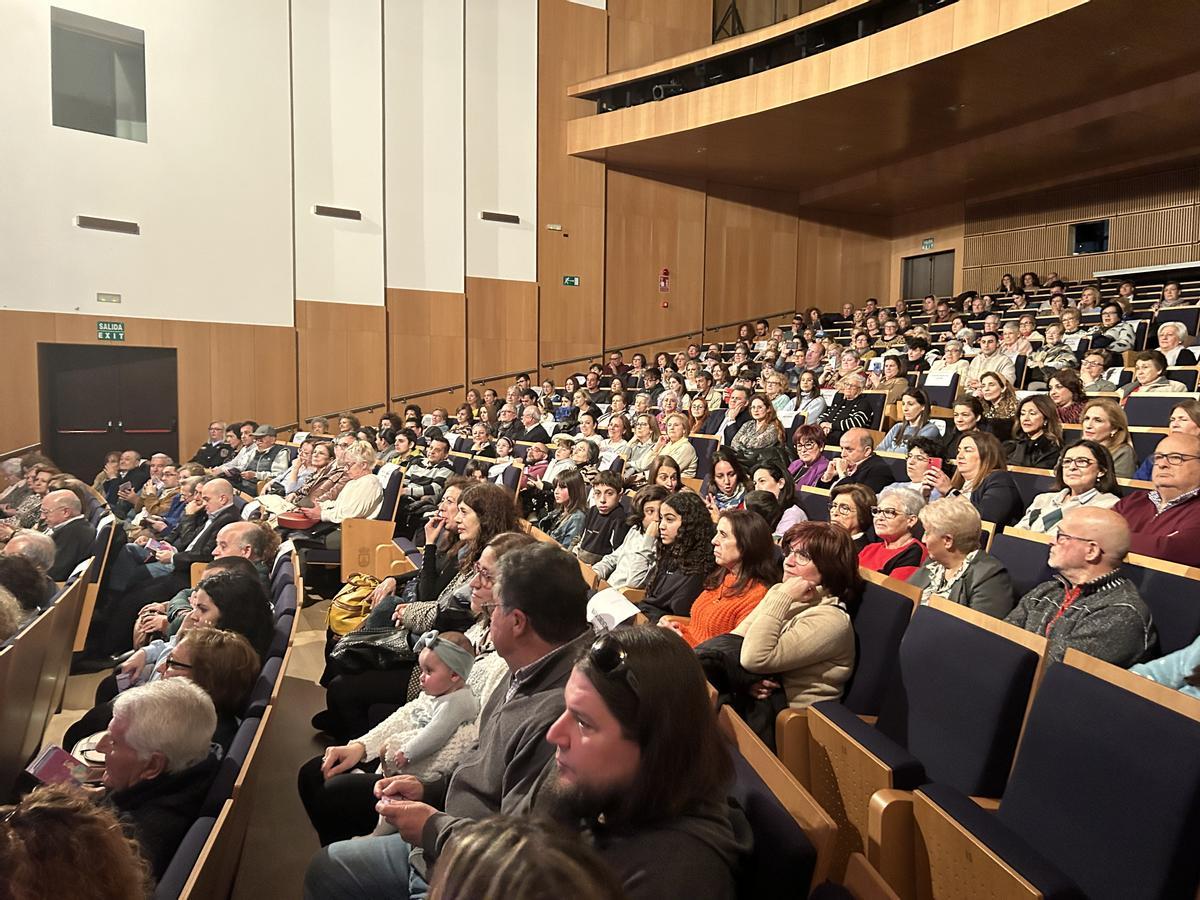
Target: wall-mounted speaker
[
  {"x": 338, "y": 212},
  {"x": 499, "y": 217},
  {"x": 99, "y": 224}
]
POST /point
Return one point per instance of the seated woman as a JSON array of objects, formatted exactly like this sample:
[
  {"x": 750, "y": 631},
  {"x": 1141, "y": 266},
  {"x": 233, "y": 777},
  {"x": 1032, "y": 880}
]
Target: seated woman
[
  {"x": 225, "y": 665},
  {"x": 810, "y": 403},
  {"x": 850, "y": 409},
  {"x": 999, "y": 404},
  {"x": 564, "y": 521},
  {"x": 675, "y": 444},
  {"x": 1083, "y": 477},
  {"x": 1053, "y": 356},
  {"x": 586, "y": 428},
  {"x": 770, "y": 477},
  {"x": 666, "y": 472},
  {"x": 746, "y": 565},
  {"x": 957, "y": 568},
  {"x": 1179, "y": 670},
  {"x": 914, "y": 410},
  {"x": 1149, "y": 377},
  {"x": 981, "y": 476},
  {"x": 1066, "y": 390},
  {"x": 629, "y": 564},
  {"x": 952, "y": 361},
  {"x": 464, "y": 418},
  {"x": 1185, "y": 419},
  {"x": 298, "y": 474},
  {"x": 684, "y": 556},
  {"x": 811, "y": 462},
  {"x": 1104, "y": 422},
  {"x": 892, "y": 379},
  {"x": 668, "y": 405},
  {"x": 1037, "y": 441},
  {"x": 1171, "y": 336},
  {"x": 586, "y": 456},
  {"x": 763, "y": 430},
  {"x": 897, "y": 552},
  {"x": 617, "y": 406},
  {"x": 1114, "y": 333},
  {"x": 360, "y": 499},
  {"x": 643, "y": 448},
  {"x": 727, "y": 482},
  {"x": 617, "y": 442},
  {"x": 850, "y": 506},
  {"x": 503, "y": 459},
  {"x": 799, "y": 636}
]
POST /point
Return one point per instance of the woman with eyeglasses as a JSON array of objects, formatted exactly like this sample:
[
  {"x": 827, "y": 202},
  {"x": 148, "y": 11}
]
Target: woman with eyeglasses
[
  {"x": 225, "y": 665},
  {"x": 810, "y": 404},
  {"x": 1091, "y": 371},
  {"x": 1104, "y": 422},
  {"x": 1083, "y": 477},
  {"x": 675, "y": 444},
  {"x": 892, "y": 378},
  {"x": 958, "y": 568},
  {"x": 923, "y": 454},
  {"x": 799, "y": 637},
  {"x": 746, "y": 564},
  {"x": 643, "y": 448},
  {"x": 1185, "y": 419},
  {"x": 1149, "y": 377},
  {"x": 1039, "y": 435},
  {"x": 850, "y": 507},
  {"x": 1113, "y": 332},
  {"x": 981, "y": 475},
  {"x": 915, "y": 422},
  {"x": 683, "y": 557},
  {"x": 811, "y": 463},
  {"x": 1053, "y": 356},
  {"x": 338, "y": 796},
  {"x": 897, "y": 552}
]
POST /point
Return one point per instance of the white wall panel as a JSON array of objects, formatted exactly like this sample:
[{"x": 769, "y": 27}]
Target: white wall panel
[
  {"x": 337, "y": 84},
  {"x": 501, "y": 137},
  {"x": 423, "y": 163},
  {"x": 211, "y": 187}
]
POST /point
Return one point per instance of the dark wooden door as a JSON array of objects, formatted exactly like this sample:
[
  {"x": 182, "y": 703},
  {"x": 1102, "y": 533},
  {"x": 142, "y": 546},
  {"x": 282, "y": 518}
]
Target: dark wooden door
[
  {"x": 932, "y": 273},
  {"x": 96, "y": 399}
]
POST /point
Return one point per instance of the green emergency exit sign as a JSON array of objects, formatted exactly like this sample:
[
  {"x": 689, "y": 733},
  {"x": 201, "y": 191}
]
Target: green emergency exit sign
[
  {"x": 570, "y": 281},
  {"x": 110, "y": 331}
]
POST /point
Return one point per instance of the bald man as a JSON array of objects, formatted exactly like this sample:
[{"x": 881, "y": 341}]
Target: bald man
[
  {"x": 74, "y": 536},
  {"x": 1089, "y": 606},
  {"x": 1166, "y": 521},
  {"x": 858, "y": 463}
]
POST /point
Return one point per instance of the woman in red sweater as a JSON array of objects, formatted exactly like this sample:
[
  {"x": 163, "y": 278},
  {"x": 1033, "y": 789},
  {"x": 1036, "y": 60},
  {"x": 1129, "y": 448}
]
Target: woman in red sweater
[
  {"x": 746, "y": 565},
  {"x": 897, "y": 553}
]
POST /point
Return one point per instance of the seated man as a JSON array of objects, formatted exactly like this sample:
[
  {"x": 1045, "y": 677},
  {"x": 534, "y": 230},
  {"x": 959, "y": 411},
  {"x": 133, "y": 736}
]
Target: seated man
[
  {"x": 1166, "y": 521},
  {"x": 121, "y": 490},
  {"x": 1089, "y": 606},
  {"x": 243, "y": 453},
  {"x": 989, "y": 359},
  {"x": 39, "y": 550},
  {"x": 539, "y": 627},
  {"x": 158, "y": 762},
  {"x": 73, "y": 535},
  {"x": 423, "y": 484},
  {"x": 509, "y": 426},
  {"x": 858, "y": 463},
  {"x": 268, "y": 460},
  {"x": 215, "y": 452},
  {"x": 850, "y": 409},
  {"x": 158, "y": 494},
  {"x": 531, "y": 426}
]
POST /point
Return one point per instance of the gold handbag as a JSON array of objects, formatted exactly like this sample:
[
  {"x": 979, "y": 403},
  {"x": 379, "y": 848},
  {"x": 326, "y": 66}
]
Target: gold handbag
[{"x": 351, "y": 604}]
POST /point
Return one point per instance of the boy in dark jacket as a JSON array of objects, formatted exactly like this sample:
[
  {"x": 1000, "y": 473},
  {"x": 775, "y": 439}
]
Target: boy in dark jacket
[{"x": 605, "y": 526}]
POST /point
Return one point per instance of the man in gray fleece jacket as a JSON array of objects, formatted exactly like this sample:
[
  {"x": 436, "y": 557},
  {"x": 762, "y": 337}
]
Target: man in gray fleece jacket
[
  {"x": 539, "y": 627},
  {"x": 1090, "y": 606}
]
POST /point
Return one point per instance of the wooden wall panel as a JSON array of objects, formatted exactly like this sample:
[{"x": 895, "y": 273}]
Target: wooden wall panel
[
  {"x": 643, "y": 31},
  {"x": 652, "y": 225},
  {"x": 840, "y": 258},
  {"x": 224, "y": 370},
  {"x": 572, "y": 46},
  {"x": 501, "y": 328},
  {"x": 749, "y": 254},
  {"x": 342, "y": 349},
  {"x": 427, "y": 342},
  {"x": 1159, "y": 228}
]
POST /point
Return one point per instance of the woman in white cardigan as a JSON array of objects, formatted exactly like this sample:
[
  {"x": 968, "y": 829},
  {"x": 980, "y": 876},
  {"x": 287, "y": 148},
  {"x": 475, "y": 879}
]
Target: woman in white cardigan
[{"x": 799, "y": 637}]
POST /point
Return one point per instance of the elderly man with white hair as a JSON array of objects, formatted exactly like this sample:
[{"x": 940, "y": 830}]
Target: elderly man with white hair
[
  {"x": 74, "y": 536},
  {"x": 159, "y": 764},
  {"x": 1171, "y": 336}
]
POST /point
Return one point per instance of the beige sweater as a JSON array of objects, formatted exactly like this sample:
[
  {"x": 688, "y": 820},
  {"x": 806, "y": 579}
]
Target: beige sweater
[{"x": 810, "y": 645}]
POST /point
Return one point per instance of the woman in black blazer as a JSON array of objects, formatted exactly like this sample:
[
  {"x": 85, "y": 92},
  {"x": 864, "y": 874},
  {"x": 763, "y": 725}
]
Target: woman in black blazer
[{"x": 981, "y": 477}]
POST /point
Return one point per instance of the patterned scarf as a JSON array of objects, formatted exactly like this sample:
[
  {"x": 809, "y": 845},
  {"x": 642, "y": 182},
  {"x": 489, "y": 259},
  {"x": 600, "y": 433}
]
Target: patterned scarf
[{"x": 939, "y": 583}]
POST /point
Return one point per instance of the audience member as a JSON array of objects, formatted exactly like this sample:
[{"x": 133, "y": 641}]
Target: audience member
[
  {"x": 1171, "y": 338},
  {"x": 538, "y": 625},
  {"x": 988, "y": 359},
  {"x": 999, "y": 405},
  {"x": 763, "y": 430},
  {"x": 58, "y": 842},
  {"x": 157, "y": 763},
  {"x": 74, "y": 536},
  {"x": 915, "y": 422},
  {"x": 1185, "y": 419},
  {"x": 1038, "y": 438},
  {"x": 629, "y": 565},
  {"x": 675, "y": 444},
  {"x": 850, "y": 410},
  {"x": 1149, "y": 377},
  {"x": 981, "y": 476},
  {"x": 897, "y": 553},
  {"x": 850, "y": 507},
  {"x": 564, "y": 521},
  {"x": 1092, "y": 370},
  {"x": 1165, "y": 523},
  {"x": 1104, "y": 422},
  {"x": 423, "y": 484},
  {"x": 1090, "y": 606},
  {"x": 958, "y": 568},
  {"x": 223, "y": 663},
  {"x": 684, "y": 557},
  {"x": 37, "y": 549},
  {"x": 1066, "y": 390},
  {"x": 604, "y": 526},
  {"x": 727, "y": 482},
  {"x": 1083, "y": 477},
  {"x": 1179, "y": 671},
  {"x": 858, "y": 463}
]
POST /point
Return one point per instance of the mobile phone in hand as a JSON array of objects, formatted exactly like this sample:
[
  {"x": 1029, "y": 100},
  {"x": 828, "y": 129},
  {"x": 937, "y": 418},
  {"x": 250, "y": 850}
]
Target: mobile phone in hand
[{"x": 935, "y": 462}]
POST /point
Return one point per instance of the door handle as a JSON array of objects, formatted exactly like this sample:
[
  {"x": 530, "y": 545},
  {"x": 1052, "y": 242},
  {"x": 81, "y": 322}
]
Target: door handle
[{"x": 120, "y": 424}]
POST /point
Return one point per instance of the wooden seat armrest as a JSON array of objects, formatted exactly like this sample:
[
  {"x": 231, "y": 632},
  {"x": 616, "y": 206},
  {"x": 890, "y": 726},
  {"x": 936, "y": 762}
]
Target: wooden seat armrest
[
  {"x": 991, "y": 804},
  {"x": 791, "y": 743},
  {"x": 633, "y": 595},
  {"x": 891, "y": 848}
]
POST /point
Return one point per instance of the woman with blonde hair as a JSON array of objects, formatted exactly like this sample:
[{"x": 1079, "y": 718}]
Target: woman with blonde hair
[
  {"x": 1104, "y": 422},
  {"x": 958, "y": 568},
  {"x": 675, "y": 443}
]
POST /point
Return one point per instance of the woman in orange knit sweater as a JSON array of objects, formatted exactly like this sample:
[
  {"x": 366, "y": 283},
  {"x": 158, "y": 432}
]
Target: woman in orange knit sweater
[{"x": 746, "y": 565}]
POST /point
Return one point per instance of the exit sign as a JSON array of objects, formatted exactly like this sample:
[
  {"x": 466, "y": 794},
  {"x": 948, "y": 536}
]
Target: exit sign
[
  {"x": 110, "y": 331},
  {"x": 927, "y": 244},
  {"x": 570, "y": 281}
]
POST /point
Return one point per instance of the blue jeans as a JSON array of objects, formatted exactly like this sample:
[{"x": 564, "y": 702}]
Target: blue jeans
[{"x": 362, "y": 869}]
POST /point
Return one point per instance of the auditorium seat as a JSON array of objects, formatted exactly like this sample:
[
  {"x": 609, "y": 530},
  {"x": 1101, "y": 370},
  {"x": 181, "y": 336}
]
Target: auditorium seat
[
  {"x": 264, "y": 687},
  {"x": 815, "y": 503},
  {"x": 1121, "y": 820},
  {"x": 1153, "y": 410},
  {"x": 952, "y": 713},
  {"x": 170, "y": 886},
  {"x": 1170, "y": 590},
  {"x": 222, "y": 786},
  {"x": 1025, "y": 555}
]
